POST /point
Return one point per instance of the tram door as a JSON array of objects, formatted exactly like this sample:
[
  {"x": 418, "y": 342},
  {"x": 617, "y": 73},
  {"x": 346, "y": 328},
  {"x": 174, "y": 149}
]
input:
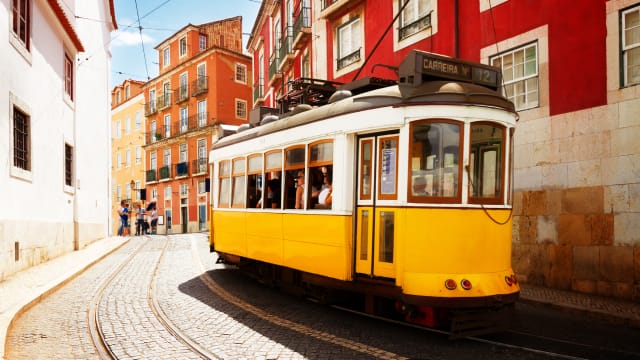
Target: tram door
[{"x": 375, "y": 224}]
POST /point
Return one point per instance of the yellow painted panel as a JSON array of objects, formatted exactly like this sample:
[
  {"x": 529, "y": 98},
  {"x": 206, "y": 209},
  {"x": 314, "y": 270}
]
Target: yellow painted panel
[
  {"x": 229, "y": 232},
  {"x": 264, "y": 237},
  {"x": 482, "y": 284}
]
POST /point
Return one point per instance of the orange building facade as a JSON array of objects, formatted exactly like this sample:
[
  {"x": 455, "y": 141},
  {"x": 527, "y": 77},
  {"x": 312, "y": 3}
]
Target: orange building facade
[{"x": 203, "y": 90}]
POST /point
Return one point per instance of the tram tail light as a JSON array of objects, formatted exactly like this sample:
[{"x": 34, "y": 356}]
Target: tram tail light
[
  {"x": 466, "y": 284},
  {"x": 508, "y": 280},
  {"x": 450, "y": 284}
]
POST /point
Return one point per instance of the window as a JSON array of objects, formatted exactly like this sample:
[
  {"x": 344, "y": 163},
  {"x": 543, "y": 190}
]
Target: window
[
  {"x": 153, "y": 161},
  {"x": 127, "y": 158},
  {"x": 414, "y": 18},
  {"x": 238, "y": 199},
  {"x": 152, "y": 101},
  {"x": 294, "y": 177},
  {"x": 520, "y": 75},
  {"x": 167, "y": 192},
  {"x": 349, "y": 43},
  {"x": 225, "y": 183},
  {"x": 68, "y": 76},
  {"x": 167, "y": 125},
  {"x": 167, "y": 157},
  {"x": 631, "y": 46},
  {"x": 202, "y": 187},
  {"x": 21, "y": 140},
  {"x": 388, "y": 167},
  {"x": 119, "y": 193},
  {"x": 184, "y": 190},
  {"x": 486, "y": 163},
  {"x": 118, "y": 160},
  {"x": 241, "y": 109},
  {"x": 166, "y": 57},
  {"x": 183, "y": 92},
  {"x": 273, "y": 174},
  {"x": 254, "y": 181},
  {"x": 183, "y": 152},
  {"x": 127, "y": 91},
  {"x": 68, "y": 165},
  {"x": 127, "y": 125},
  {"x": 241, "y": 73},
  {"x": 138, "y": 154},
  {"x": 154, "y": 193},
  {"x": 117, "y": 97},
  {"x": 138, "y": 120},
  {"x": 202, "y": 113},
  {"x": 154, "y": 134},
  {"x": 183, "y": 46},
  {"x": 320, "y": 174},
  {"x": 366, "y": 163},
  {"x": 21, "y": 20},
  {"x": 184, "y": 119},
  {"x": 117, "y": 129},
  {"x": 202, "y": 41},
  {"x": 434, "y": 162},
  {"x": 202, "y": 156}
]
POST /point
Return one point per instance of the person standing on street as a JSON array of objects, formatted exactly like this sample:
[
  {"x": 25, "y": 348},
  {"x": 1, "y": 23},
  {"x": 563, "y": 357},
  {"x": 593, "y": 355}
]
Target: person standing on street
[
  {"x": 123, "y": 213},
  {"x": 140, "y": 220}
]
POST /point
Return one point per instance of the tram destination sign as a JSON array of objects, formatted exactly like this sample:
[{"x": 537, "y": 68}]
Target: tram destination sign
[{"x": 419, "y": 66}]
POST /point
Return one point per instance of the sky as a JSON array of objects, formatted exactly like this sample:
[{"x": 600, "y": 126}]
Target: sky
[{"x": 159, "y": 20}]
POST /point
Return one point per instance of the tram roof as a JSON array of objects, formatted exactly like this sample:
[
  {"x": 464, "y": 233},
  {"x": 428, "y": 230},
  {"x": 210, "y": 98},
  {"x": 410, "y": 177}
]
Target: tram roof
[{"x": 427, "y": 93}]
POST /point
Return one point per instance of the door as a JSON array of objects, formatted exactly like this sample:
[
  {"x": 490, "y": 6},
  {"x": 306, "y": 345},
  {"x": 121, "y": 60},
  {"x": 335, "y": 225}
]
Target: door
[
  {"x": 185, "y": 219},
  {"x": 376, "y": 213}
]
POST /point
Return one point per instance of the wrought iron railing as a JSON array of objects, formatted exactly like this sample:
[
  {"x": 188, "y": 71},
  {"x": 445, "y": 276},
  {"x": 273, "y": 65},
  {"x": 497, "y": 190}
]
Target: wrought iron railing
[
  {"x": 152, "y": 175},
  {"x": 182, "y": 94},
  {"x": 200, "y": 85},
  {"x": 258, "y": 90},
  {"x": 414, "y": 27},
  {"x": 150, "y": 108},
  {"x": 164, "y": 101},
  {"x": 199, "y": 166},
  {"x": 164, "y": 172},
  {"x": 349, "y": 59}
]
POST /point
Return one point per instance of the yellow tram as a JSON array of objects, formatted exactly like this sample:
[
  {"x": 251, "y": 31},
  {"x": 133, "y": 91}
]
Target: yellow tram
[{"x": 399, "y": 195}]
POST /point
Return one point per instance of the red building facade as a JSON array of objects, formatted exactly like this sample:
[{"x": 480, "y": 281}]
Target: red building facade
[{"x": 573, "y": 79}]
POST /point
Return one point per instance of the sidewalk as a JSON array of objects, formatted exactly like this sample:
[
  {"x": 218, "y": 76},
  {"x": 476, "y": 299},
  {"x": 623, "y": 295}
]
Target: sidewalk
[{"x": 28, "y": 287}]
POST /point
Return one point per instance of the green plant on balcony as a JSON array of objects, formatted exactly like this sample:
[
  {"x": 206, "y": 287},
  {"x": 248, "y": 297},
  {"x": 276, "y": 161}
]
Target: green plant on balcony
[{"x": 158, "y": 136}]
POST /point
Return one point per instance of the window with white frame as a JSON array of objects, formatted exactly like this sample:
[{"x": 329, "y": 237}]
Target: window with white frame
[
  {"x": 202, "y": 41},
  {"x": 127, "y": 158},
  {"x": 414, "y": 18},
  {"x": 68, "y": 76},
  {"x": 118, "y": 160},
  {"x": 68, "y": 165},
  {"x": 154, "y": 193},
  {"x": 138, "y": 120},
  {"x": 183, "y": 152},
  {"x": 154, "y": 133},
  {"x": 21, "y": 132},
  {"x": 202, "y": 113},
  {"x": 631, "y": 46},
  {"x": 166, "y": 57},
  {"x": 153, "y": 161},
  {"x": 184, "y": 119},
  {"x": 241, "y": 73},
  {"x": 117, "y": 129},
  {"x": 167, "y": 192},
  {"x": 349, "y": 43},
  {"x": 127, "y": 91},
  {"x": 202, "y": 187},
  {"x": 127, "y": 125},
  {"x": 167, "y": 125},
  {"x": 167, "y": 157},
  {"x": 520, "y": 75},
  {"x": 138, "y": 154},
  {"x": 184, "y": 190},
  {"x": 241, "y": 109},
  {"x": 119, "y": 193},
  {"x": 183, "y": 46},
  {"x": 202, "y": 156},
  {"x": 21, "y": 20},
  {"x": 128, "y": 191}
]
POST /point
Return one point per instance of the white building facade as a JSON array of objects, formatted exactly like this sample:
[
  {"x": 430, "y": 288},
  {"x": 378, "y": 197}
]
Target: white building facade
[{"x": 54, "y": 128}]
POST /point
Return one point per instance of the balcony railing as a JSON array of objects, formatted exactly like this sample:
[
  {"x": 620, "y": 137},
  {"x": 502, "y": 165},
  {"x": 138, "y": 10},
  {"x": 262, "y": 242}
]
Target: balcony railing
[
  {"x": 349, "y": 59},
  {"x": 274, "y": 60},
  {"x": 152, "y": 175},
  {"x": 164, "y": 101},
  {"x": 200, "y": 85},
  {"x": 182, "y": 94},
  {"x": 150, "y": 108},
  {"x": 164, "y": 172},
  {"x": 301, "y": 26},
  {"x": 286, "y": 48},
  {"x": 199, "y": 166},
  {"x": 182, "y": 169},
  {"x": 180, "y": 127},
  {"x": 414, "y": 27}
]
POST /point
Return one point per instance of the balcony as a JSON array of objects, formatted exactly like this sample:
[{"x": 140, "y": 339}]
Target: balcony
[
  {"x": 286, "y": 50},
  {"x": 152, "y": 175},
  {"x": 199, "y": 166},
  {"x": 258, "y": 92},
  {"x": 349, "y": 59},
  {"x": 301, "y": 26},
  {"x": 182, "y": 94},
  {"x": 150, "y": 108},
  {"x": 164, "y": 101},
  {"x": 274, "y": 74},
  {"x": 164, "y": 172},
  {"x": 200, "y": 85},
  {"x": 182, "y": 169},
  {"x": 329, "y": 8},
  {"x": 414, "y": 27}
]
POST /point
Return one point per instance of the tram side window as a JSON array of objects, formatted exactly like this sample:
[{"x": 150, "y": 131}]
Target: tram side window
[
  {"x": 294, "y": 178},
  {"x": 254, "y": 181},
  {"x": 224, "y": 171},
  {"x": 434, "y": 162},
  {"x": 320, "y": 195},
  {"x": 486, "y": 163},
  {"x": 273, "y": 184},
  {"x": 238, "y": 191}
]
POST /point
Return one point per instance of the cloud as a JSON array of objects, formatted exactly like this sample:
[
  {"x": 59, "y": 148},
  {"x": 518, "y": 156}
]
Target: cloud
[{"x": 129, "y": 38}]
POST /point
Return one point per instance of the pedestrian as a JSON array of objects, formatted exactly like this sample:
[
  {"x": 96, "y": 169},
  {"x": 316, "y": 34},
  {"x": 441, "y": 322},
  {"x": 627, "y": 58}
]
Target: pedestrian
[
  {"x": 154, "y": 220},
  {"x": 140, "y": 220},
  {"x": 123, "y": 213}
]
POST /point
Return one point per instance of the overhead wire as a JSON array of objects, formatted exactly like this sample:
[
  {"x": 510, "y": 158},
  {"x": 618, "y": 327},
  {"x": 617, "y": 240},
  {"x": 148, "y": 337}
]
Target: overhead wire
[{"x": 144, "y": 53}]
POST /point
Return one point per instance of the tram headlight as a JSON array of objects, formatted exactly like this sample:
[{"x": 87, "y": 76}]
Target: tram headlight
[{"x": 450, "y": 284}]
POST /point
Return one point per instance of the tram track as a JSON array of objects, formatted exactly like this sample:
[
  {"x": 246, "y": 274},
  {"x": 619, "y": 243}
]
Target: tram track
[{"x": 102, "y": 345}]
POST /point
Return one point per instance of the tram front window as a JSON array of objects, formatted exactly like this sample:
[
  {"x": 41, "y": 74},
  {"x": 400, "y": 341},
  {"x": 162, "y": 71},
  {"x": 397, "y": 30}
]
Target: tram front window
[
  {"x": 486, "y": 163},
  {"x": 435, "y": 166}
]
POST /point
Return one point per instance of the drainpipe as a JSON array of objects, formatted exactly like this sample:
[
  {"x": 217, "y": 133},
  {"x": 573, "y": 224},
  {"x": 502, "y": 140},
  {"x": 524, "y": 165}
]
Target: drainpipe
[{"x": 76, "y": 226}]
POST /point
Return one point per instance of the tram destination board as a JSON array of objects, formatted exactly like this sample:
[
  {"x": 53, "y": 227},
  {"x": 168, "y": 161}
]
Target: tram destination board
[{"x": 420, "y": 66}]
